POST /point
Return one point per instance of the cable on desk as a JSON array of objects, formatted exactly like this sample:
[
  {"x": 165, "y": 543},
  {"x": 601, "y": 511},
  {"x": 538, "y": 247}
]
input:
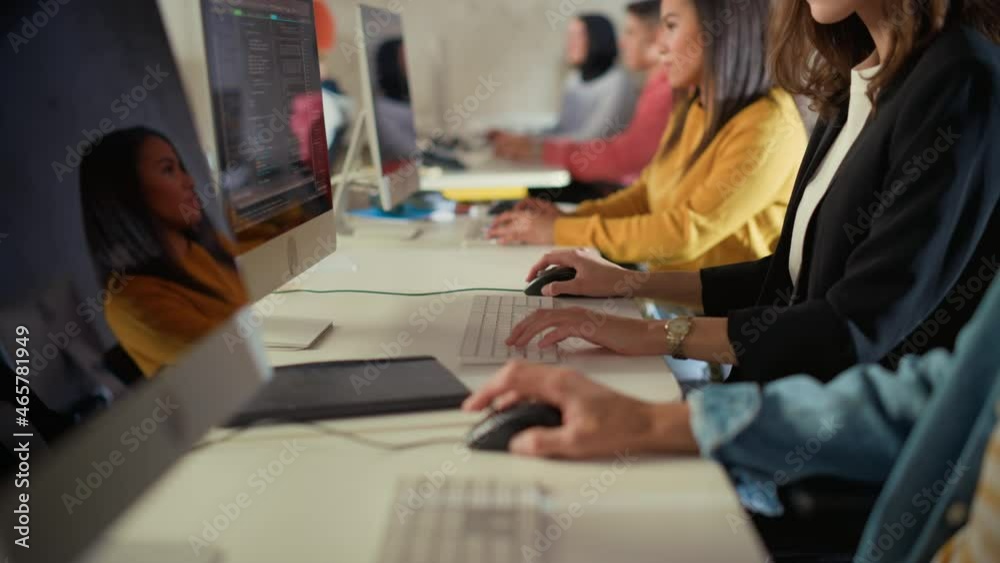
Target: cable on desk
[
  {"x": 352, "y": 436},
  {"x": 400, "y": 294},
  {"x": 378, "y": 444},
  {"x": 207, "y": 443}
]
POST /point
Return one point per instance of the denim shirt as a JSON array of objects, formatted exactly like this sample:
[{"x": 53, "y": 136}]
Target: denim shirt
[{"x": 921, "y": 430}]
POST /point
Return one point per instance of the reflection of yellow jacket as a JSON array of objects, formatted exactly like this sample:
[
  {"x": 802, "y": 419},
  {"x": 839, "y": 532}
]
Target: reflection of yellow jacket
[
  {"x": 156, "y": 319},
  {"x": 727, "y": 208}
]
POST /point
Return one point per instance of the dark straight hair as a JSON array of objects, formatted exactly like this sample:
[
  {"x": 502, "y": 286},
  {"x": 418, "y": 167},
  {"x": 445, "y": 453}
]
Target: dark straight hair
[
  {"x": 734, "y": 38},
  {"x": 646, "y": 10},
  {"x": 602, "y": 46},
  {"x": 391, "y": 76},
  {"x": 120, "y": 229}
]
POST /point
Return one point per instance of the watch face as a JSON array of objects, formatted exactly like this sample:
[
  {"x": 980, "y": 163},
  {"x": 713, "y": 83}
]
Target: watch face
[{"x": 680, "y": 325}]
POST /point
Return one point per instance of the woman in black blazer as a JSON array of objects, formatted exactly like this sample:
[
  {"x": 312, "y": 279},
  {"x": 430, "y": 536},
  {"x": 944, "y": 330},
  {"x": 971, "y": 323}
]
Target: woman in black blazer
[{"x": 898, "y": 250}]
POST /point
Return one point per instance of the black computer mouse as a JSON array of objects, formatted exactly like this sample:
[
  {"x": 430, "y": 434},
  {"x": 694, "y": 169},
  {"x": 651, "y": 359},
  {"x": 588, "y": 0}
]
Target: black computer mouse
[
  {"x": 496, "y": 430},
  {"x": 545, "y": 277},
  {"x": 502, "y": 207}
]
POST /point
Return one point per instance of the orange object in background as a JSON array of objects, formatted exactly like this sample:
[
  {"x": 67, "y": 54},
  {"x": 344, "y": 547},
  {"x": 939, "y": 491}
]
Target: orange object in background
[{"x": 326, "y": 26}]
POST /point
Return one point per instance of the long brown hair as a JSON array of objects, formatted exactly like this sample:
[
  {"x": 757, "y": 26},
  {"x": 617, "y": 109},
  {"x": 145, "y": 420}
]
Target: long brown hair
[
  {"x": 735, "y": 47},
  {"x": 815, "y": 60}
]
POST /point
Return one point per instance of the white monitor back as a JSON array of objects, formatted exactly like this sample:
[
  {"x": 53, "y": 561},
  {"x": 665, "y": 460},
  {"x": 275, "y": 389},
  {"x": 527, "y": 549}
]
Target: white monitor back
[
  {"x": 88, "y": 463},
  {"x": 377, "y": 25},
  {"x": 216, "y": 377}
]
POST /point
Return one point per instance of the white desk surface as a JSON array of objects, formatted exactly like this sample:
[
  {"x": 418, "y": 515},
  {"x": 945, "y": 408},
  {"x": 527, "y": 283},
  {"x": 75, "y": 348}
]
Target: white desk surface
[
  {"x": 333, "y": 502},
  {"x": 484, "y": 170},
  {"x": 494, "y": 173}
]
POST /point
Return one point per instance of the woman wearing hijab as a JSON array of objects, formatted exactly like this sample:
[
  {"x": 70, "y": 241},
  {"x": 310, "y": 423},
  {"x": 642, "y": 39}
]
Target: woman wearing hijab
[
  {"x": 598, "y": 96},
  {"x": 601, "y": 165},
  {"x": 397, "y": 136}
]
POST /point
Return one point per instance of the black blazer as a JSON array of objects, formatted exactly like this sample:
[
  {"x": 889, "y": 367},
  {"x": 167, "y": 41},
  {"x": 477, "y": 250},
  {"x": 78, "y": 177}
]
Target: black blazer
[{"x": 903, "y": 245}]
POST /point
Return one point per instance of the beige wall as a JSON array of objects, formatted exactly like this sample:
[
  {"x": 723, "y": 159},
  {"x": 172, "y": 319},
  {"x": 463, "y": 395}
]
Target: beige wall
[{"x": 452, "y": 44}]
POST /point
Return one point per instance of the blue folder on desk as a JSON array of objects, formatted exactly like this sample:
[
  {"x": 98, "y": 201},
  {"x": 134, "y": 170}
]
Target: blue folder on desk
[{"x": 406, "y": 213}]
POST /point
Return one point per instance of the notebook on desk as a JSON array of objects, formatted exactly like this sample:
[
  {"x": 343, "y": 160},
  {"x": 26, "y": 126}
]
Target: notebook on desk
[{"x": 345, "y": 389}]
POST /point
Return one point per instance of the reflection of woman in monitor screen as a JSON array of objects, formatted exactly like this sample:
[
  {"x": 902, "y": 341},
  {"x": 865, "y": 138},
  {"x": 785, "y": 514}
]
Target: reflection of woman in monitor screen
[
  {"x": 170, "y": 276},
  {"x": 397, "y": 136}
]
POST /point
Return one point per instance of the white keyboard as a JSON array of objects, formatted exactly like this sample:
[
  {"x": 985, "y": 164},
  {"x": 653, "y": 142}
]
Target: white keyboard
[
  {"x": 490, "y": 322},
  {"x": 476, "y": 229},
  {"x": 462, "y": 521}
]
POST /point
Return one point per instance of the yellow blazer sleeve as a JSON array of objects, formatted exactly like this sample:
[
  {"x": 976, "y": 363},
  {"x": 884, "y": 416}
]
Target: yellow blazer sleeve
[
  {"x": 626, "y": 201},
  {"x": 754, "y": 167},
  {"x": 156, "y": 325}
]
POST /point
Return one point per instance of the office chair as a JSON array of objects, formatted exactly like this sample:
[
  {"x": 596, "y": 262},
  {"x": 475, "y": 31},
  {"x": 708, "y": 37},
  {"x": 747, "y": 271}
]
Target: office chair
[
  {"x": 823, "y": 521},
  {"x": 119, "y": 363}
]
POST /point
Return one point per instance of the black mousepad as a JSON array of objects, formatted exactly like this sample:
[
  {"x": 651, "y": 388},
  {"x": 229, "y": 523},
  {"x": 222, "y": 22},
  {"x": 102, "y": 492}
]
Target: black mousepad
[{"x": 353, "y": 388}]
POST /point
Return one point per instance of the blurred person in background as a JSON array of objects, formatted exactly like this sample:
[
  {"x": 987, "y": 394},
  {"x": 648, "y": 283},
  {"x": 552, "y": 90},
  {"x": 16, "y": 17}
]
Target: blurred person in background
[
  {"x": 598, "y": 95},
  {"x": 602, "y": 165},
  {"x": 717, "y": 189}
]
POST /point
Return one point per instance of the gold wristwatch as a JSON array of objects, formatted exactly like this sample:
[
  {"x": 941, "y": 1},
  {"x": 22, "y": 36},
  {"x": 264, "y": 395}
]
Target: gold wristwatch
[{"x": 677, "y": 330}]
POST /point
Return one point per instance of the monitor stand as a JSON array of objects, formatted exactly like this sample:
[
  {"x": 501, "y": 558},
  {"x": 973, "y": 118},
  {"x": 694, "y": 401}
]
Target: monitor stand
[
  {"x": 350, "y": 177},
  {"x": 153, "y": 552},
  {"x": 292, "y": 333}
]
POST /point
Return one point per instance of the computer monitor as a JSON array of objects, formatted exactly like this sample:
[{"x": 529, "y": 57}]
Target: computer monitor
[
  {"x": 385, "y": 101},
  {"x": 270, "y": 139},
  {"x": 125, "y": 329},
  {"x": 262, "y": 62}
]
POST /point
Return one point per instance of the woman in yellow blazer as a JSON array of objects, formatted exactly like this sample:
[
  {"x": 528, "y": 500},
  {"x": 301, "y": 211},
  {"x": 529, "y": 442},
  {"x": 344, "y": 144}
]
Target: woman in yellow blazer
[
  {"x": 170, "y": 278},
  {"x": 717, "y": 190}
]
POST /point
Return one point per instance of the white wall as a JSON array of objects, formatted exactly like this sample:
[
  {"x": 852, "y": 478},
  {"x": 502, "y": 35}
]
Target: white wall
[{"x": 451, "y": 44}]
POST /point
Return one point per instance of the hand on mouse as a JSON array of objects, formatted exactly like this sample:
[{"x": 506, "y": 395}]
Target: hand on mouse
[
  {"x": 630, "y": 337},
  {"x": 595, "y": 276},
  {"x": 516, "y": 147},
  {"x": 523, "y": 227},
  {"x": 597, "y": 421}
]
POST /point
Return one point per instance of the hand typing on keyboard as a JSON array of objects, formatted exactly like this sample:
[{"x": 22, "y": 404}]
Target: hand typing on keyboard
[
  {"x": 490, "y": 323},
  {"x": 632, "y": 337}
]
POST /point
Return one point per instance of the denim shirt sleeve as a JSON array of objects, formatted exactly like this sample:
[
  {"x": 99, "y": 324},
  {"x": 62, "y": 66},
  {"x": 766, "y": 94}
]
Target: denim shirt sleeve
[{"x": 852, "y": 428}]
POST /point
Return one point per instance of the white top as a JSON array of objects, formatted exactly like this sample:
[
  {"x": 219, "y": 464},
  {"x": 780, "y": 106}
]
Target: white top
[{"x": 857, "y": 115}]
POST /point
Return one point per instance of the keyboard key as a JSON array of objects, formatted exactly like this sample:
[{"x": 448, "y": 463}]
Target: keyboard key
[{"x": 471, "y": 342}]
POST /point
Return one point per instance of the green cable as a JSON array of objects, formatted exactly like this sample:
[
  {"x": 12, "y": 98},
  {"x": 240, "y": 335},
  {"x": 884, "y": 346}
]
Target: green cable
[{"x": 425, "y": 294}]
